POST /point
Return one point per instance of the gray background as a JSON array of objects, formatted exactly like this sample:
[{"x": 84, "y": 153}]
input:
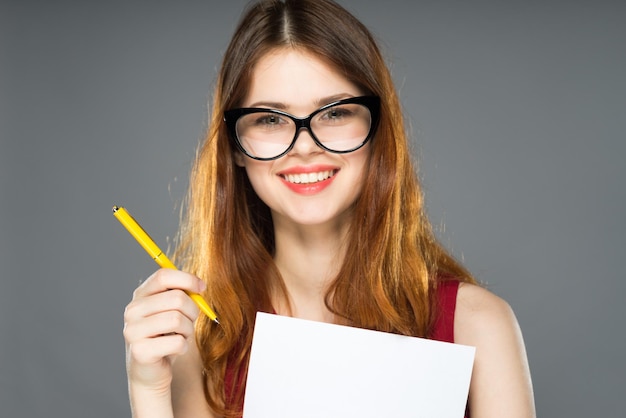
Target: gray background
[{"x": 517, "y": 111}]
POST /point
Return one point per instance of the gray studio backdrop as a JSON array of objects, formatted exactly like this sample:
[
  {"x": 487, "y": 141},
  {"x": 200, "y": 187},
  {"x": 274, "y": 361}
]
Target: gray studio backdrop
[{"x": 517, "y": 112}]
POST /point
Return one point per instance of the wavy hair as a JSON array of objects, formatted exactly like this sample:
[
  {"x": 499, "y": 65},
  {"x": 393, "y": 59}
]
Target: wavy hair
[{"x": 392, "y": 262}]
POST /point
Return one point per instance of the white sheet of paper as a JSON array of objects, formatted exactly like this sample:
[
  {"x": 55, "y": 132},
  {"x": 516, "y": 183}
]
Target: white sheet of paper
[{"x": 306, "y": 369}]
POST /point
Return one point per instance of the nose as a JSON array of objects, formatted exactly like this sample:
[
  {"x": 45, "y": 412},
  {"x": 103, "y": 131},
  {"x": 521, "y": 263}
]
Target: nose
[{"x": 305, "y": 144}]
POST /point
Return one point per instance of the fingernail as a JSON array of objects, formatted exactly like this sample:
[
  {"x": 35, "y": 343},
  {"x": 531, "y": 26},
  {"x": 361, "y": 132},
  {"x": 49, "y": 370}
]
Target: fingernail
[{"x": 202, "y": 286}]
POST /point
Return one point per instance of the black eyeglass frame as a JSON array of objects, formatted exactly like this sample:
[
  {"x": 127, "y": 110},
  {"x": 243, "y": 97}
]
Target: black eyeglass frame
[{"x": 371, "y": 102}]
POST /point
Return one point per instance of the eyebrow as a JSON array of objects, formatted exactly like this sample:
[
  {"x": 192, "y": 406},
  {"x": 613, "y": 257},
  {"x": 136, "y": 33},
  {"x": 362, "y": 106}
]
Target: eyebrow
[{"x": 319, "y": 102}]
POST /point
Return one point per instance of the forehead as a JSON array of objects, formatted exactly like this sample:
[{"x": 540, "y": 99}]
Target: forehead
[{"x": 295, "y": 76}]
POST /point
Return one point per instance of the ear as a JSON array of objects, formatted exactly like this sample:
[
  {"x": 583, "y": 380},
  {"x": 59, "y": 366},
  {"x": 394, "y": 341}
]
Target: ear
[{"x": 239, "y": 159}]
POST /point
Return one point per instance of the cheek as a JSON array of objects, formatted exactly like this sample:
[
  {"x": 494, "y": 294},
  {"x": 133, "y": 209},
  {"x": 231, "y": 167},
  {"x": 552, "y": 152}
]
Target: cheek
[
  {"x": 362, "y": 167},
  {"x": 361, "y": 162},
  {"x": 259, "y": 175}
]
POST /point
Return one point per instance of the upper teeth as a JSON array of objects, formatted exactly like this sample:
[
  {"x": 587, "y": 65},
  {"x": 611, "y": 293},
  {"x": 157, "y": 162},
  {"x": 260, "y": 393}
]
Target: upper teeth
[{"x": 308, "y": 177}]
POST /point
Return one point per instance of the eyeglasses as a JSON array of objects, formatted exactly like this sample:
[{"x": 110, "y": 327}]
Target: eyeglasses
[{"x": 339, "y": 127}]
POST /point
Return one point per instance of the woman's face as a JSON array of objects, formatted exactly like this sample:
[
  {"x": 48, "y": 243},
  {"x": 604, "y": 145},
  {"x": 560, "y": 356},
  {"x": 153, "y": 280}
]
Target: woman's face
[{"x": 308, "y": 185}]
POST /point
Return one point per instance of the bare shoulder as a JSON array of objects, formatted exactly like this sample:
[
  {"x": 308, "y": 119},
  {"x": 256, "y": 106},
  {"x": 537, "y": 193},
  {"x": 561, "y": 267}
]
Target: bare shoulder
[
  {"x": 501, "y": 384},
  {"x": 480, "y": 312},
  {"x": 188, "y": 386}
]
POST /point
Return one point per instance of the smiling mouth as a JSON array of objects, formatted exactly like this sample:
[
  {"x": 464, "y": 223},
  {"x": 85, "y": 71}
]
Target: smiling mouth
[{"x": 309, "y": 178}]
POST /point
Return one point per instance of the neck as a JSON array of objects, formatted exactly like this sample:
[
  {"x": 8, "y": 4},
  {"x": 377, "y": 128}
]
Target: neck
[{"x": 308, "y": 258}]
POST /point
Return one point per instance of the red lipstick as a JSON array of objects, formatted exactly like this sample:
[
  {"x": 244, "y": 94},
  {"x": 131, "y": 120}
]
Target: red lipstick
[{"x": 308, "y": 180}]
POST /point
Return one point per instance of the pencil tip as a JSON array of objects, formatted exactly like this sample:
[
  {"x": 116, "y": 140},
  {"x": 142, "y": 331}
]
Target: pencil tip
[
  {"x": 115, "y": 208},
  {"x": 216, "y": 321}
]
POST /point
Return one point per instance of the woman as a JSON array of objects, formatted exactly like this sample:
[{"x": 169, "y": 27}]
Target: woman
[{"x": 304, "y": 202}]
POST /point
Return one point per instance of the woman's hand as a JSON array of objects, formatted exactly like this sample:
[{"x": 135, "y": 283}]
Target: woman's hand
[{"x": 158, "y": 327}]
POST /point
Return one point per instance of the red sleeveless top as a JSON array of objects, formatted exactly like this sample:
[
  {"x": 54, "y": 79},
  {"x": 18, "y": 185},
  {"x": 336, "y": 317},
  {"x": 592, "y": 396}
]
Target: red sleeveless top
[{"x": 443, "y": 330}]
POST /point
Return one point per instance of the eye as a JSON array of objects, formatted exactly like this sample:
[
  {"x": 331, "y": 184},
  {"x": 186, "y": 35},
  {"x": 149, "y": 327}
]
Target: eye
[
  {"x": 337, "y": 115},
  {"x": 267, "y": 119}
]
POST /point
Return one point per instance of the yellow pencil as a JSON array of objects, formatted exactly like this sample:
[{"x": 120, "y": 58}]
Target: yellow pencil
[{"x": 155, "y": 252}]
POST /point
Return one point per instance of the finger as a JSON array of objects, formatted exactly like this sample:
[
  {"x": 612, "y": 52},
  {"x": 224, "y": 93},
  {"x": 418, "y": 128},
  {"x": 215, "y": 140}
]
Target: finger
[
  {"x": 156, "y": 326},
  {"x": 149, "y": 351},
  {"x": 169, "y": 300},
  {"x": 165, "y": 279}
]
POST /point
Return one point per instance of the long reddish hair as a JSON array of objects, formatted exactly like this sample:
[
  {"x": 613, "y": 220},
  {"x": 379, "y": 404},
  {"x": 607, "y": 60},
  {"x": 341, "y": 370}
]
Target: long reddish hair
[{"x": 392, "y": 262}]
